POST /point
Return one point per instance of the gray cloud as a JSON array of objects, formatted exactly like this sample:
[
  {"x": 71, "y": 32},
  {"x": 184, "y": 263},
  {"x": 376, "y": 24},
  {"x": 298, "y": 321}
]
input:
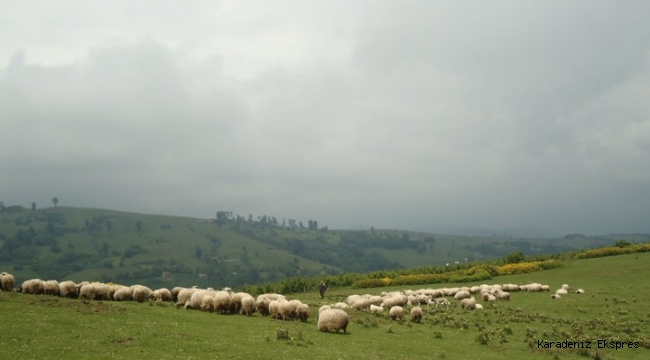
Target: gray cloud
[{"x": 392, "y": 115}]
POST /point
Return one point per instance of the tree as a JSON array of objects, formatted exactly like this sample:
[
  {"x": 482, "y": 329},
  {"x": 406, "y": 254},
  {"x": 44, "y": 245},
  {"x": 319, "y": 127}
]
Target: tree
[
  {"x": 33, "y": 206},
  {"x": 55, "y": 201},
  {"x": 138, "y": 225}
]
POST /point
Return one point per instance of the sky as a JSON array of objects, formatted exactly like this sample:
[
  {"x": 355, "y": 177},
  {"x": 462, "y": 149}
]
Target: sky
[{"x": 412, "y": 115}]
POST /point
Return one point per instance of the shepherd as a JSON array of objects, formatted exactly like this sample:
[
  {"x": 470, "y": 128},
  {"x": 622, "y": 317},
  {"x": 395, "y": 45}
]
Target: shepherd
[{"x": 321, "y": 289}]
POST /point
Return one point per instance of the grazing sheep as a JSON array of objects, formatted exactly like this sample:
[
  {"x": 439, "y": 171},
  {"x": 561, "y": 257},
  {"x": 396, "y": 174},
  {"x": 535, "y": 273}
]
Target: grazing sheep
[
  {"x": 207, "y": 301},
  {"x": 222, "y": 302},
  {"x": 502, "y": 295},
  {"x": 580, "y": 291},
  {"x": 184, "y": 296},
  {"x": 32, "y": 286},
  {"x": 416, "y": 314},
  {"x": 174, "y": 291},
  {"x": 462, "y": 294},
  {"x": 274, "y": 309},
  {"x": 262, "y": 305},
  {"x": 565, "y": 287},
  {"x": 442, "y": 302},
  {"x": 468, "y": 304},
  {"x": 333, "y": 320},
  {"x": 235, "y": 302},
  {"x": 376, "y": 309},
  {"x": 479, "y": 307},
  {"x": 51, "y": 287},
  {"x": 141, "y": 293},
  {"x": 7, "y": 281},
  {"x": 162, "y": 294},
  {"x": 67, "y": 289},
  {"x": 555, "y": 296},
  {"x": 561, "y": 291},
  {"x": 302, "y": 312},
  {"x": 247, "y": 305},
  {"x": 396, "y": 313},
  {"x": 323, "y": 308},
  {"x": 123, "y": 293}
]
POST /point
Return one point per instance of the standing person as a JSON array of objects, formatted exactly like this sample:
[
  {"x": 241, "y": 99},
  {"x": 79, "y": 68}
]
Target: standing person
[{"x": 321, "y": 289}]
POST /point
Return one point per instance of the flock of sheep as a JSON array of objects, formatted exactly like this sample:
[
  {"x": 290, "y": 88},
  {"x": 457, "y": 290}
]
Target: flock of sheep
[{"x": 332, "y": 317}]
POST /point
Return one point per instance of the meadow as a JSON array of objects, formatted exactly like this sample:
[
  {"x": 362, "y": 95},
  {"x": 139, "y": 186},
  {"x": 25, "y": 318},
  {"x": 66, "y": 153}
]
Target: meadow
[{"x": 615, "y": 307}]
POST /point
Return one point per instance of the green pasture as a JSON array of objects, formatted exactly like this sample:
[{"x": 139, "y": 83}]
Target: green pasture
[{"x": 615, "y": 307}]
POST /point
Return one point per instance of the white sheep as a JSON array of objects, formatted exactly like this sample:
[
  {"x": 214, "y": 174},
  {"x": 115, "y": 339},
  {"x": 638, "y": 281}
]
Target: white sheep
[
  {"x": 67, "y": 289},
  {"x": 247, "y": 305},
  {"x": 32, "y": 286},
  {"x": 580, "y": 291},
  {"x": 302, "y": 312},
  {"x": 162, "y": 294},
  {"x": 396, "y": 313},
  {"x": 561, "y": 292},
  {"x": 7, "y": 281},
  {"x": 207, "y": 301},
  {"x": 441, "y": 302},
  {"x": 184, "y": 296},
  {"x": 262, "y": 305},
  {"x": 462, "y": 294},
  {"x": 555, "y": 296},
  {"x": 51, "y": 287},
  {"x": 123, "y": 293},
  {"x": 416, "y": 314},
  {"x": 478, "y": 307},
  {"x": 468, "y": 304},
  {"x": 565, "y": 287},
  {"x": 222, "y": 302},
  {"x": 376, "y": 309},
  {"x": 141, "y": 293},
  {"x": 333, "y": 320}
]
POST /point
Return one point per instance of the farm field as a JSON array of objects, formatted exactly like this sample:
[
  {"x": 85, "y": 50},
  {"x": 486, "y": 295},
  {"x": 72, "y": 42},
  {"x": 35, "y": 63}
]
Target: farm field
[{"x": 615, "y": 307}]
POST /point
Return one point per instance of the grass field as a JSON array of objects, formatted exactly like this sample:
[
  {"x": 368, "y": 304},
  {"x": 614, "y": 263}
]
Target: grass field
[{"x": 615, "y": 307}]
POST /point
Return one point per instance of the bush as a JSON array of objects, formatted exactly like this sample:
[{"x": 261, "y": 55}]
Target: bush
[{"x": 371, "y": 283}]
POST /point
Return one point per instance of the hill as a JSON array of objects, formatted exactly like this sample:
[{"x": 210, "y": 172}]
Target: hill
[
  {"x": 612, "y": 311},
  {"x": 231, "y": 250}
]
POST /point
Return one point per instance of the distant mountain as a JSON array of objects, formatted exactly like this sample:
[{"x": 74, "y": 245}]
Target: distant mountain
[{"x": 517, "y": 232}]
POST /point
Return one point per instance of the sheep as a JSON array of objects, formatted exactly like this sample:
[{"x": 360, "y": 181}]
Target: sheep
[
  {"x": 207, "y": 301},
  {"x": 462, "y": 294},
  {"x": 162, "y": 294},
  {"x": 340, "y": 305},
  {"x": 333, "y": 320},
  {"x": 468, "y": 303},
  {"x": 7, "y": 281},
  {"x": 247, "y": 305},
  {"x": 360, "y": 304},
  {"x": 174, "y": 291},
  {"x": 184, "y": 296},
  {"x": 580, "y": 291},
  {"x": 416, "y": 314},
  {"x": 489, "y": 297},
  {"x": 565, "y": 287},
  {"x": 391, "y": 301},
  {"x": 141, "y": 293},
  {"x": 302, "y": 312},
  {"x": 478, "y": 307},
  {"x": 396, "y": 313},
  {"x": 67, "y": 289},
  {"x": 123, "y": 293},
  {"x": 561, "y": 291},
  {"x": 274, "y": 309},
  {"x": 235, "y": 302},
  {"x": 442, "y": 302},
  {"x": 287, "y": 309},
  {"x": 502, "y": 295},
  {"x": 376, "y": 309},
  {"x": 222, "y": 302},
  {"x": 555, "y": 296},
  {"x": 262, "y": 305},
  {"x": 32, "y": 286}
]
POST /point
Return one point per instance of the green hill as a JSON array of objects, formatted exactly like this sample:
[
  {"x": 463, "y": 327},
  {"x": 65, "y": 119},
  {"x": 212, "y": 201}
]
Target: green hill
[
  {"x": 230, "y": 250},
  {"x": 612, "y": 312}
]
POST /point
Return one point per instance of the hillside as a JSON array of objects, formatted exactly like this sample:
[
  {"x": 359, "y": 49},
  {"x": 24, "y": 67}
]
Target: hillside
[
  {"x": 230, "y": 250},
  {"x": 612, "y": 311}
]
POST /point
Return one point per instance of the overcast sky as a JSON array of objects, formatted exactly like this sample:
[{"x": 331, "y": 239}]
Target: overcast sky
[{"x": 392, "y": 114}]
